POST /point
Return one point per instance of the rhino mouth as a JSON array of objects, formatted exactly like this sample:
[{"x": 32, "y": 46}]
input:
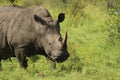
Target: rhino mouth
[{"x": 61, "y": 58}]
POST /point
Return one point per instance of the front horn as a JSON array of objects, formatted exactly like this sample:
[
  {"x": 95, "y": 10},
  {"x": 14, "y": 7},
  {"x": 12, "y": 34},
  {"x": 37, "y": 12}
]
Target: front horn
[{"x": 65, "y": 40}]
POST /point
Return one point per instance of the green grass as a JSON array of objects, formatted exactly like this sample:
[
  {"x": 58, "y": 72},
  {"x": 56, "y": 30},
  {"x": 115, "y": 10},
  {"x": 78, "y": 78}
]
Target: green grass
[{"x": 92, "y": 57}]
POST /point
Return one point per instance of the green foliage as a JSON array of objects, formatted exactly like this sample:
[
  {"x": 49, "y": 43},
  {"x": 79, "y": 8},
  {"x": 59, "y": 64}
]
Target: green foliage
[
  {"x": 114, "y": 26},
  {"x": 91, "y": 58},
  {"x": 32, "y": 2},
  {"x": 7, "y": 2}
]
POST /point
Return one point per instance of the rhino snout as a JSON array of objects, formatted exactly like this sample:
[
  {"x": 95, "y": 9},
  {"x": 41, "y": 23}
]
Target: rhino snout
[{"x": 61, "y": 58}]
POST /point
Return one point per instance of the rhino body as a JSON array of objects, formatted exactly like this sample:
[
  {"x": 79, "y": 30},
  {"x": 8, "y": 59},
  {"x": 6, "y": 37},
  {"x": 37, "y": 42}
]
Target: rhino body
[{"x": 25, "y": 32}]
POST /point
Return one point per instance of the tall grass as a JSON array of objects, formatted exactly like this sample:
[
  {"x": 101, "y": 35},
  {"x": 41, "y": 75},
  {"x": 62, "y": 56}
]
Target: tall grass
[{"x": 92, "y": 58}]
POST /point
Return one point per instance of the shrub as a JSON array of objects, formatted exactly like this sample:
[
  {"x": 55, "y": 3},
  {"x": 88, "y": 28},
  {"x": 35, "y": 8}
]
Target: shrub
[{"x": 114, "y": 26}]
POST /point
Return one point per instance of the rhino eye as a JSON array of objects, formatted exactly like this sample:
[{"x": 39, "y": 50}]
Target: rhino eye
[
  {"x": 60, "y": 39},
  {"x": 49, "y": 44}
]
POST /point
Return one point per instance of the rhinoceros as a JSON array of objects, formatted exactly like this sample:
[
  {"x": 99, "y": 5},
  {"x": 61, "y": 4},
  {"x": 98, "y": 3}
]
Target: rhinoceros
[{"x": 25, "y": 32}]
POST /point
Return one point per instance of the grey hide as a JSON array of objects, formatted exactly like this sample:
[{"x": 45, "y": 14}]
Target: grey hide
[{"x": 25, "y": 32}]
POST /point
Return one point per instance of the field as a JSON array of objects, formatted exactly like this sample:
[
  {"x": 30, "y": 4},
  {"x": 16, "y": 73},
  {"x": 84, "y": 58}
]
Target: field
[{"x": 93, "y": 43}]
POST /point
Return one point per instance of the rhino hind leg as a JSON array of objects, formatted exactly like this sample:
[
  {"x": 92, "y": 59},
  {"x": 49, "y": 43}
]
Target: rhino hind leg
[
  {"x": 0, "y": 64},
  {"x": 20, "y": 54}
]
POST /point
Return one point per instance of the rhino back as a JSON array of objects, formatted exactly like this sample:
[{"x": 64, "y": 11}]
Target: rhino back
[
  {"x": 9, "y": 8},
  {"x": 19, "y": 26}
]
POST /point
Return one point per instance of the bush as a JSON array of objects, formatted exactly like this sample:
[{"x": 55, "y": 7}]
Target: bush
[{"x": 114, "y": 26}]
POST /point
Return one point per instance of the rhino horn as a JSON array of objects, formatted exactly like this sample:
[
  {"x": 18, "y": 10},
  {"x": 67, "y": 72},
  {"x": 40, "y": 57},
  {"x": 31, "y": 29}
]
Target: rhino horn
[{"x": 65, "y": 41}]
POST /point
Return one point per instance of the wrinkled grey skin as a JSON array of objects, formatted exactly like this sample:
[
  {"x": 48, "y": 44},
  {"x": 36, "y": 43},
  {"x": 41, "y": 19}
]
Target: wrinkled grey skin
[
  {"x": 30, "y": 31},
  {"x": 10, "y": 7}
]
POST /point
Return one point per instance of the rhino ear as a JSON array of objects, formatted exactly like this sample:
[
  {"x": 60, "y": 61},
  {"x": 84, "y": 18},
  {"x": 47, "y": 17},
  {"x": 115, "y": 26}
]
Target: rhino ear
[
  {"x": 39, "y": 19},
  {"x": 61, "y": 17}
]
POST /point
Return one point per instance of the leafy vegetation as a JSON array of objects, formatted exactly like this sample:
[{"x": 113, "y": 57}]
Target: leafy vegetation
[
  {"x": 114, "y": 26},
  {"x": 91, "y": 29}
]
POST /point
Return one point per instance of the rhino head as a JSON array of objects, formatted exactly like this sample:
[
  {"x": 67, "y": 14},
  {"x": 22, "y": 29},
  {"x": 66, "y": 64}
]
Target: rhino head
[{"x": 53, "y": 44}]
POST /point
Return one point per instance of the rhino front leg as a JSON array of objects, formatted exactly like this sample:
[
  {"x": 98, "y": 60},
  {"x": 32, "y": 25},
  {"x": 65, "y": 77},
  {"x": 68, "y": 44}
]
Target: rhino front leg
[
  {"x": 20, "y": 54},
  {"x": 52, "y": 64}
]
